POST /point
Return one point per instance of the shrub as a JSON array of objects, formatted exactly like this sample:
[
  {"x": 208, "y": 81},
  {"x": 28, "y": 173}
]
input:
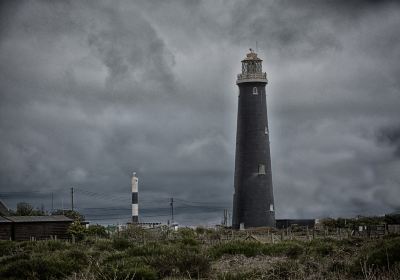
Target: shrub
[
  {"x": 290, "y": 249},
  {"x": 75, "y": 258},
  {"x": 149, "y": 249},
  {"x": 120, "y": 243},
  {"x": 200, "y": 230},
  {"x": 7, "y": 247},
  {"x": 39, "y": 267},
  {"x": 127, "y": 270},
  {"x": 193, "y": 264},
  {"x": 289, "y": 269},
  {"x": 180, "y": 262},
  {"x": 114, "y": 257},
  {"x": 48, "y": 246},
  {"x": 321, "y": 247},
  {"x": 384, "y": 253},
  {"x": 135, "y": 232},
  {"x": 190, "y": 242},
  {"x": 251, "y": 248},
  {"x": 247, "y": 248},
  {"x": 6, "y": 260},
  {"x": 103, "y": 245},
  {"x": 97, "y": 230},
  {"x": 186, "y": 233},
  {"x": 77, "y": 230},
  {"x": 245, "y": 275}
]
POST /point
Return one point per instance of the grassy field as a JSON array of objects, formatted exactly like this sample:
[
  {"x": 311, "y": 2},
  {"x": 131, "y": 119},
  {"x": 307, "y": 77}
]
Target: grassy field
[{"x": 200, "y": 254}]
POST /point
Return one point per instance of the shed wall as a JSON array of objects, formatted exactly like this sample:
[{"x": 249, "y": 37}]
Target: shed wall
[
  {"x": 5, "y": 231},
  {"x": 24, "y": 231}
]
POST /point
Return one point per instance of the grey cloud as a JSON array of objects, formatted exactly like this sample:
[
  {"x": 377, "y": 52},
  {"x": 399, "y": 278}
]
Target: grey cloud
[{"x": 91, "y": 91}]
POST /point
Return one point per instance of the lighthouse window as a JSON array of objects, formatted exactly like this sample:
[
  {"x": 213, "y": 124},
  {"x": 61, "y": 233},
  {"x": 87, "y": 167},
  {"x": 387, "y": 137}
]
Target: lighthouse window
[
  {"x": 255, "y": 91},
  {"x": 261, "y": 169},
  {"x": 271, "y": 207},
  {"x": 266, "y": 130}
]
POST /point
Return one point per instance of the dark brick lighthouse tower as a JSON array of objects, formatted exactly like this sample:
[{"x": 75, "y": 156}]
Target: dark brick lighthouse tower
[{"x": 253, "y": 201}]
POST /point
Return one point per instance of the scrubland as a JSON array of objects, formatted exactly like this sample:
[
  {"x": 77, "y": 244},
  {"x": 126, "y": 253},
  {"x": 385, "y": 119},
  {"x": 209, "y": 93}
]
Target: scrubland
[{"x": 200, "y": 254}]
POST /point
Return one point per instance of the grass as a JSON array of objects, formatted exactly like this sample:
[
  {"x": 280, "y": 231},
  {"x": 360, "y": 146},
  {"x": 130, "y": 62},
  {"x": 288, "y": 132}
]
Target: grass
[
  {"x": 186, "y": 257},
  {"x": 290, "y": 249}
]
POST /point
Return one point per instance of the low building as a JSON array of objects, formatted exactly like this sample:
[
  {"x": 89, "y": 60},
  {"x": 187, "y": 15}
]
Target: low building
[
  {"x": 286, "y": 223},
  {"x": 20, "y": 228}
]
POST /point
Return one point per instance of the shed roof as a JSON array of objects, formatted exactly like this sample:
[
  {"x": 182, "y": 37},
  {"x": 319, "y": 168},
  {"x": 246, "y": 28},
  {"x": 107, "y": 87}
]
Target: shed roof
[
  {"x": 3, "y": 209},
  {"x": 4, "y": 220},
  {"x": 42, "y": 219}
]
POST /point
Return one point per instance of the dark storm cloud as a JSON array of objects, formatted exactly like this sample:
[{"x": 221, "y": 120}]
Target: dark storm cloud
[{"x": 91, "y": 91}]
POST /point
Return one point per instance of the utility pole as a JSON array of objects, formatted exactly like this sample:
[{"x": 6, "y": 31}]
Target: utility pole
[
  {"x": 225, "y": 222},
  {"x": 72, "y": 199},
  {"x": 52, "y": 203},
  {"x": 172, "y": 209}
]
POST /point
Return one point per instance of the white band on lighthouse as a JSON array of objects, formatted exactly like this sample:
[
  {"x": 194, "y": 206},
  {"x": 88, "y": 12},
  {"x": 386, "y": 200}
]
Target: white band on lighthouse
[{"x": 135, "y": 210}]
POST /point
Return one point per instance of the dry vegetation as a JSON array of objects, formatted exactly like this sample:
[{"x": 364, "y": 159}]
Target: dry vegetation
[{"x": 200, "y": 254}]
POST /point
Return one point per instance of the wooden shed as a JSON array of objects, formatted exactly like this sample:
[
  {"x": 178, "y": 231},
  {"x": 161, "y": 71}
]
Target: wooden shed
[
  {"x": 286, "y": 223},
  {"x": 36, "y": 227}
]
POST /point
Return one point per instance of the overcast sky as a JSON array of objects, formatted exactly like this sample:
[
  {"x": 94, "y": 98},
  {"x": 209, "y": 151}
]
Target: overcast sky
[{"x": 91, "y": 91}]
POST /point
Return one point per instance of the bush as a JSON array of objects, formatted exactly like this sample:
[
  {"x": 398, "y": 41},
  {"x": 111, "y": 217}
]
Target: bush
[
  {"x": 39, "y": 267},
  {"x": 7, "y": 247},
  {"x": 321, "y": 247},
  {"x": 6, "y": 260},
  {"x": 200, "y": 230},
  {"x": 190, "y": 242},
  {"x": 149, "y": 249},
  {"x": 290, "y": 249},
  {"x": 77, "y": 230},
  {"x": 104, "y": 245},
  {"x": 180, "y": 262},
  {"x": 127, "y": 270},
  {"x": 384, "y": 254},
  {"x": 97, "y": 230},
  {"x": 135, "y": 232},
  {"x": 245, "y": 275},
  {"x": 75, "y": 258},
  {"x": 49, "y": 246},
  {"x": 251, "y": 248},
  {"x": 120, "y": 243},
  {"x": 247, "y": 248},
  {"x": 186, "y": 233},
  {"x": 193, "y": 264},
  {"x": 289, "y": 269}
]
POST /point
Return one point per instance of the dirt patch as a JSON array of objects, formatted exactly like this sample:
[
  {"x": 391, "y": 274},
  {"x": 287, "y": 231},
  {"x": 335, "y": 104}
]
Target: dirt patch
[{"x": 240, "y": 263}]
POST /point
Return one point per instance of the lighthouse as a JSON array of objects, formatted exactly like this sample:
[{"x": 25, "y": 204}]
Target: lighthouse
[
  {"x": 135, "y": 199},
  {"x": 253, "y": 200}
]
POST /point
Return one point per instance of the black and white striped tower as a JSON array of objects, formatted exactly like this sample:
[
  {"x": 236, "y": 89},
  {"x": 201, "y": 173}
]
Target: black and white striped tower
[
  {"x": 253, "y": 201},
  {"x": 135, "y": 199}
]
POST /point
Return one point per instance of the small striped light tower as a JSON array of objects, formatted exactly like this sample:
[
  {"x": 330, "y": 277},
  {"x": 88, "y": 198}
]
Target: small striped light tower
[{"x": 135, "y": 199}]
